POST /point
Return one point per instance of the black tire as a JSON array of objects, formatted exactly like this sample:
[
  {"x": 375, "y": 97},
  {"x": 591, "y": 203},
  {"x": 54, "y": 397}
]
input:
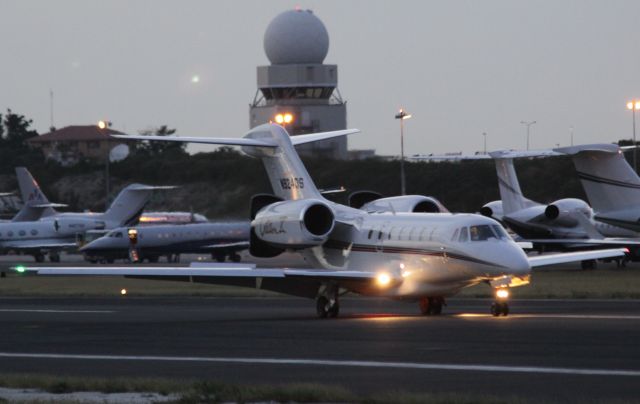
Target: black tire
[
  {"x": 219, "y": 257},
  {"x": 425, "y": 306},
  {"x": 334, "y": 310},
  {"x": 321, "y": 307},
  {"x": 234, "y": 257},
  {"x": 505, "y": 309},
  {"x": 496, "y": 309},
  {"x": 38, "y": 257},
  {"x": 436, "y": 307}
]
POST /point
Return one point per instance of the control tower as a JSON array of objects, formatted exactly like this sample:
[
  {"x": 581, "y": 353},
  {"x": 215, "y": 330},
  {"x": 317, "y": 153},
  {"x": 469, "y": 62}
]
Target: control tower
[{"x": 297, "y": 90}]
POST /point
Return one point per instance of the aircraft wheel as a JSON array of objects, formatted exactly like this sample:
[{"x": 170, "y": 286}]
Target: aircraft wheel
[
  {"x": 499, "y": 309},
  {"x": 234, "y": 257},
  {"x": 54, "y": 257},
  {"x": 425, "y": 306},
  {"x": 436, "y": 306},
  {"x": 322, "y": 304},
  {"x": 588, "y": 264},
  {"x": 38, "y": 257},
  {"x": 219, "y": 257}
]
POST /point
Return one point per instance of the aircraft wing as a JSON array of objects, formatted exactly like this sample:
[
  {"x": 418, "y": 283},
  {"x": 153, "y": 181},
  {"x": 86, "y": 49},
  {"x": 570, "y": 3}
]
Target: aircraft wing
[
  {"x": 204, "y": 270},
  {"x": 563, "y": 258},
  {"x": 204, "y": 140},
  {"x": 587, "y": 241},
  {"x": 240, "y": 245},
  {"x": 297, "y": 282},
  {"x": 37, "y": 244}
]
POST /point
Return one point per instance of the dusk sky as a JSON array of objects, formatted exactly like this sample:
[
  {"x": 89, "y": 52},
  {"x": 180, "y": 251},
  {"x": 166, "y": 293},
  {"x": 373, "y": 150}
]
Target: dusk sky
[{"x": 460, "y": 67}]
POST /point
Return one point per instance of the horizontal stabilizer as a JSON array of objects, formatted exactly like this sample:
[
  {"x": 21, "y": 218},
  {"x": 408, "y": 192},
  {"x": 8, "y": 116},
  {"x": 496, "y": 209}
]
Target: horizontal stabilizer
[
  {"x": 314, "y": 137},
  {"x": 205, "y": 140},
  {"x": 563, "y": 258},
  {"x": 47, "y": 205}
]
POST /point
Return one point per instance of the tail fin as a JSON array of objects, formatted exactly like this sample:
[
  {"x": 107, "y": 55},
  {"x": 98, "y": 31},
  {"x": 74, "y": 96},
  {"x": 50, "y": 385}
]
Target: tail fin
[
  {"x": 510, "y": 193},
  {"x": 287, "y": 174},
  {"x": 35, "y": 203},
  {"x": 608, "y": 180},
  {"x": 126, "y": 209}
]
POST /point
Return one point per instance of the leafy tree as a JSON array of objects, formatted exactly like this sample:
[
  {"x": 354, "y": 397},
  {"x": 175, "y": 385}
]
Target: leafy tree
[
  {"x": 156, "y": 148},
  {"x": 17, "y": 130}
]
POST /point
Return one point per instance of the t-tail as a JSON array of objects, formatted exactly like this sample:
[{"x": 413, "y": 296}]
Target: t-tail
[
  {"x": 35, "y": 203},
  {"x": 126, "y": 209},
  {"x": 609, "y": 181},
  {"x": 512, "y": 198},
  {"x": 271, "y": 143}
]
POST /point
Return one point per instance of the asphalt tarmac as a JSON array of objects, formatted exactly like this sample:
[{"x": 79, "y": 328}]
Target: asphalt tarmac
[{"x": 551, "y": 350}]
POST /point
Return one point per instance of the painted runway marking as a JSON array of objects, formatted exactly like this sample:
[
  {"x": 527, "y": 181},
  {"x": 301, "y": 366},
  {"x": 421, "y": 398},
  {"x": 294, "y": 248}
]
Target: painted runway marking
[
  {"x": 336, "y": 363},
  {"x": 566, "y": 316},
  {"x": 54, "y": 311}
]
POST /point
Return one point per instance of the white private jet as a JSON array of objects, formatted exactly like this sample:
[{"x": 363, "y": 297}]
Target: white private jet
[
  {"x": 59, "y": 231},
  {"x": 417, "y": 256},
  {"x": 611, "y": 184}
]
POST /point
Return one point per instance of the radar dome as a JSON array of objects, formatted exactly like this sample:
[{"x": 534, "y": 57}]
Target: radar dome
[{"x": 296, "y": 37}]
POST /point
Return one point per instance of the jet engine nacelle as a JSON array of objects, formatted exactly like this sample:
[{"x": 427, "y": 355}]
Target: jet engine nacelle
[
  {"x": 294, "y": 224},
  {"x": 563, "y": 211},
  {"x": 406, "y": 204},
  {"x": 492, "y": 210}
]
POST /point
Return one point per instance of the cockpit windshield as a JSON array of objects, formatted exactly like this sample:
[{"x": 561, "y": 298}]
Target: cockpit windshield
[{"x": 481, "y": 232}]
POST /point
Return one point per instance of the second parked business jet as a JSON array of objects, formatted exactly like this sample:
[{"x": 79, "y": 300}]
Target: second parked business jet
[{"x": 414, "y": 256}]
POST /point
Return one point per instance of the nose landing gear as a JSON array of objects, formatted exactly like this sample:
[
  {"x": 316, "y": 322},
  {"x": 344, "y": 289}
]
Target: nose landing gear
[{"x": 500, "y": 307}]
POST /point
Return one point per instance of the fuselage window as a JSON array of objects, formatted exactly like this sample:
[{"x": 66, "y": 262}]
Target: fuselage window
[
  {"x": 10, "y": 234},
  {"x": 423, "y": 234},
  {"x": 464, "y": 235},
  {"x": 22, "y": 233},
  {"x": 455, "y": 235},
  {"x": 500, "y": 232},
  {"x": 370, "y": 233},
  {"x": 34, "y": 232},
  {"x": 380, "y": 235}
]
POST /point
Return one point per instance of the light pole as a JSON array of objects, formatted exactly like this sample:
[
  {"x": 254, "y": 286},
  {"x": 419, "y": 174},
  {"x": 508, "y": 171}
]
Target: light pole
[
  {"x": 634, "y": 105},
  {"x": 571, "y": 132},
  {"x": 528, "y": 124},
  {"x": 103, "y": 125},
  {"x": 402, "y": 115},
  {"x": 484, "y": 135}
]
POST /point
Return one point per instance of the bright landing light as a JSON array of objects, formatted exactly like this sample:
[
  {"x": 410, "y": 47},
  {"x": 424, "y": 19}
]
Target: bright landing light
[
  {"x": 502, "y": 293},
  {"x": 383, "y": 279},
  {"x": 123, "y": 291},
  {"x": 195, "y": 79}
]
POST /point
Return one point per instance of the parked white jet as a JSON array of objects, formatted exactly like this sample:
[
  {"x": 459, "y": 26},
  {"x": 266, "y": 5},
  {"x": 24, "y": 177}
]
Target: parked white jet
[
  {"x": 611, "y": 184},
  {"x": 60, "y": 230},
  {"x": 418, "y": 256}
]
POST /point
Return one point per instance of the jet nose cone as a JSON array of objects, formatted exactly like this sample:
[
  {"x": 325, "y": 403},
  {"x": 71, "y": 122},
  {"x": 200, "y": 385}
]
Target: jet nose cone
[{"x": 518, "y": 261}]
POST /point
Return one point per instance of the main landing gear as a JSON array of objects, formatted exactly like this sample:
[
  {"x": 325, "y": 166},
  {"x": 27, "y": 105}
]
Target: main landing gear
[
  {"x": 327, "y": 304},
  {"x": 431, "y": 306},
  {"x": 500, "y": 307}
]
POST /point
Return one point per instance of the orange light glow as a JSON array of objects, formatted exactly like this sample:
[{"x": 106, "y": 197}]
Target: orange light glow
[
  {"x": 383, "y": 279},
  {"x": 633, "y": 105},
  {"x": 502, "y": 293},
  {"x": 279, "y": 119},
  {"x": 288, "y": 118},
  {"x": 102, "y": 124}
]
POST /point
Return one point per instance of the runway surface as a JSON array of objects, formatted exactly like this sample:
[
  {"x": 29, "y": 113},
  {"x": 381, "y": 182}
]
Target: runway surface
[{"x": 556, "y": 350}]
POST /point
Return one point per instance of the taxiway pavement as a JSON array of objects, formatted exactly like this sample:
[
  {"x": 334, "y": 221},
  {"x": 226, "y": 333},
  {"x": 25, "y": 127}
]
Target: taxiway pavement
[{"x": 558, "y": 350}]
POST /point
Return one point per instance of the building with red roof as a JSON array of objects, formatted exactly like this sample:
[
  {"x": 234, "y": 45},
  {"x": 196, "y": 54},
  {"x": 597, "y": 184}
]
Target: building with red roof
[{"x": 71, "y": 144}]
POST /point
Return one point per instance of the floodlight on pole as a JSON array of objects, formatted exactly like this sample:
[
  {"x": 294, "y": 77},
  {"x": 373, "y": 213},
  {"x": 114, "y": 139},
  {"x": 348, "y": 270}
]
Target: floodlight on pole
[
  {"x": 528, "y": 125},
  {"x": 633, "y": 106},
  {"x": 402, "y": 115}
]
